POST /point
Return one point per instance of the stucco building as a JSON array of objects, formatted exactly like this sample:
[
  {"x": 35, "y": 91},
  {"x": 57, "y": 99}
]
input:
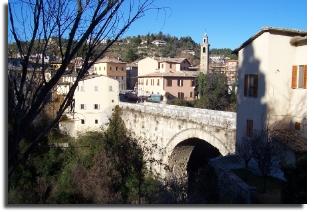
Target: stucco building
[
  {"x": 93, "y": 102},
  {"x": 272, "y": 82},
  {"x": 169, "y": 77},
  {"x": 112, "y": 68},
  {"x": 131, "y": 75}
]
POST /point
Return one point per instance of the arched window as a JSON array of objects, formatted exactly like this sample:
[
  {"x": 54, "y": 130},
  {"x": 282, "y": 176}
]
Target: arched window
[{"x": 204, "y": 49}]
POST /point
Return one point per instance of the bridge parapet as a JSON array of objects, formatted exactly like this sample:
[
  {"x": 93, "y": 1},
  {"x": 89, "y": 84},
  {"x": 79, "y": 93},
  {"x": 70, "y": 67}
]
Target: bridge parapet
[{"x": 215, "y": 118}]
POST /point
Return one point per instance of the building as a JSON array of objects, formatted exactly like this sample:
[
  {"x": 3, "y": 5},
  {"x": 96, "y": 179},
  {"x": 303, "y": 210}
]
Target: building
[
  {"x": 112, "y": 68},
  {"x": 217, "y": 63},
  {"x": 227, "y": 67},
  {"x": 159, "y": 42},
  {"x": 131, "y": 75},
  {"x": 204, "y": 56},
  {"x": 169, "y": 77},
  {"x": 272, "y": 82},
  {"x": 93, "y": 102}
]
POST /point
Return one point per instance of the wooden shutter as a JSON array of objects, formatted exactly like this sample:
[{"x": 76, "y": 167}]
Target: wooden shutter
[
  {"x": 255, "y": 86},
  {"x": 294, "y": 77},
  {"x": 305, "y": 76},
  {"x": 246, "y": 81}
]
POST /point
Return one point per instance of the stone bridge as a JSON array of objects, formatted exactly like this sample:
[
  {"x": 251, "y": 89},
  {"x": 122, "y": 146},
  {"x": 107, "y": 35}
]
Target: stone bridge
[{"x": 169, "y": 134}]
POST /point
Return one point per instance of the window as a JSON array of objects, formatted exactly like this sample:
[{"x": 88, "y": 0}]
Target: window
[
  {"x": 162, "y": 65},
  {"x": 170, "y": 65},
  {"x": 299, "y": 77},
  {"x": 180, "y": 95},
  {"x": 180, "y": 83},
  {"x": 251, "y": 85},
  {"x": 122, "y": 68},
  {"x": 110, "y": 88},
  {"x": 96, "y": 106},
  {"x": 169, "y": 82},
  {"x": 96, "y": 121},
  {"x": 249, "y": 128},
  {"x": 157, "y": 81},
  {"x": 96, "y": 88},
  {"x": 112, "y": 101},
  {"x": 146, "y": 81},
  {"x": 191, "y": 94},
  {"x": 192, "y": 83},
  {"x": 152, "y": 82},
  {"x": 116, "y": 68},
  {"x": 204, "y": 49},
  {"x": 110, "y": 68},
  {"x": 82, "y": 121},
  {"x": 121, "y": 78},
  {"x": 297, "y": 126},
  {"x": 82, "y": 107}
]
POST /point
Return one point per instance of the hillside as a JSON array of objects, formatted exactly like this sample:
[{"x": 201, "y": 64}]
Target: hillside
[{"x": 137, "y": 47}]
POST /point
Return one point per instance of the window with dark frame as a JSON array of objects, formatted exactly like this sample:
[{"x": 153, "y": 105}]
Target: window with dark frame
[
  {"x": 192, "y": 83},
  {"x": 180, "y": 95},
  {"x": 82, "y": 106},
  {"x": 169, "y": 82},
  {"x": 180, "y": 83},
  {"x": 82, "y": 121},
  {"x": 96, "y": 106},
  {"x": 249, "y": 128},
  {"x": 96, "y": 121},
  {"x": 251, "y": 85}
]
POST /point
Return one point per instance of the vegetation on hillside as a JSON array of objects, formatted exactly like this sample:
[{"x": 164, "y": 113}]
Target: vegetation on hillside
[{"x": 132, "y": 48}]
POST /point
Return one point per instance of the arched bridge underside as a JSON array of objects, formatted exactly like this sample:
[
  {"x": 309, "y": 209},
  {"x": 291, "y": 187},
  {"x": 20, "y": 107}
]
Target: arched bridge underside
[{"x": 170, "y": 135}]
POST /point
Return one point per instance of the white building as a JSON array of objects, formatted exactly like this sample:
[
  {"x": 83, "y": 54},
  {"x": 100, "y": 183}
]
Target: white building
[
  {"x": 159, "y": 42},
  {"x": 272, "y": 82},
  {"x": 94, "y": 100}
]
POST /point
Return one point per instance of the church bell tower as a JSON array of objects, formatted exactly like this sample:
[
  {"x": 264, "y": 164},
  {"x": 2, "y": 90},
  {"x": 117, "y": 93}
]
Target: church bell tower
[{"x": 204, "y": 54}]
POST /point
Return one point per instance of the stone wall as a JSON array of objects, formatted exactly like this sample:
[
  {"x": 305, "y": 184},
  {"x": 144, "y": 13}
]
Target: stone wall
[{"x": 232, "y": 189}]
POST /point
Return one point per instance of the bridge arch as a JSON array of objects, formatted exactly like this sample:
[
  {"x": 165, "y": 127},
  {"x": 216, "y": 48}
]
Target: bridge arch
[
  {"x": 196, "y": 133},
  {"x": 182, "y": 146}
]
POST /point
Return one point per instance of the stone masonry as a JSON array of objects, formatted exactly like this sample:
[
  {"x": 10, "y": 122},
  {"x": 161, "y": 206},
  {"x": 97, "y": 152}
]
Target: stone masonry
[{"x": 159, "y": 128}]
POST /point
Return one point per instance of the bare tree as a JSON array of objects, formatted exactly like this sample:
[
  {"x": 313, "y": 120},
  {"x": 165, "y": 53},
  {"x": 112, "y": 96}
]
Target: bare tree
[
  {"x": 262, "y": 152},
  {"x": 245, "y": 151},
  {"x": 72, "y": 27}
]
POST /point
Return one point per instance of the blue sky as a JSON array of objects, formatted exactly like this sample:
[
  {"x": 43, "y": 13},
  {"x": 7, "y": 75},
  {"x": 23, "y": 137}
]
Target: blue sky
[{"x": 228, "y": 23}]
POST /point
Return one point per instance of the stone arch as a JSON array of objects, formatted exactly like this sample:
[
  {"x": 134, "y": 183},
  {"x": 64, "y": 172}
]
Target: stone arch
[
  {"x": 173, "y": 147},
  {"x": 196, "y": 133}
]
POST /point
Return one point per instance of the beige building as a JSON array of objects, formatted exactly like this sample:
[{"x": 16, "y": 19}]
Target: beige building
[
  {"x": 272, "y": 82},
  {"x": 169, "y": 77},
  {"x": 94, "y": 99},
  {"x": 112, "y": 68}
]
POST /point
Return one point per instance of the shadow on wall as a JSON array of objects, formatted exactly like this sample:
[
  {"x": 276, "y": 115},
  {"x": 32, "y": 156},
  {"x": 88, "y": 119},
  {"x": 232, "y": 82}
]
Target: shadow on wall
[{"x": 251, "y": 90}]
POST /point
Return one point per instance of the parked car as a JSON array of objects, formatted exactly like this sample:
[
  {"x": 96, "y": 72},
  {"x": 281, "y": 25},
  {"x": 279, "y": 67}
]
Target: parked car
[{"x": 155, "y": 98}]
